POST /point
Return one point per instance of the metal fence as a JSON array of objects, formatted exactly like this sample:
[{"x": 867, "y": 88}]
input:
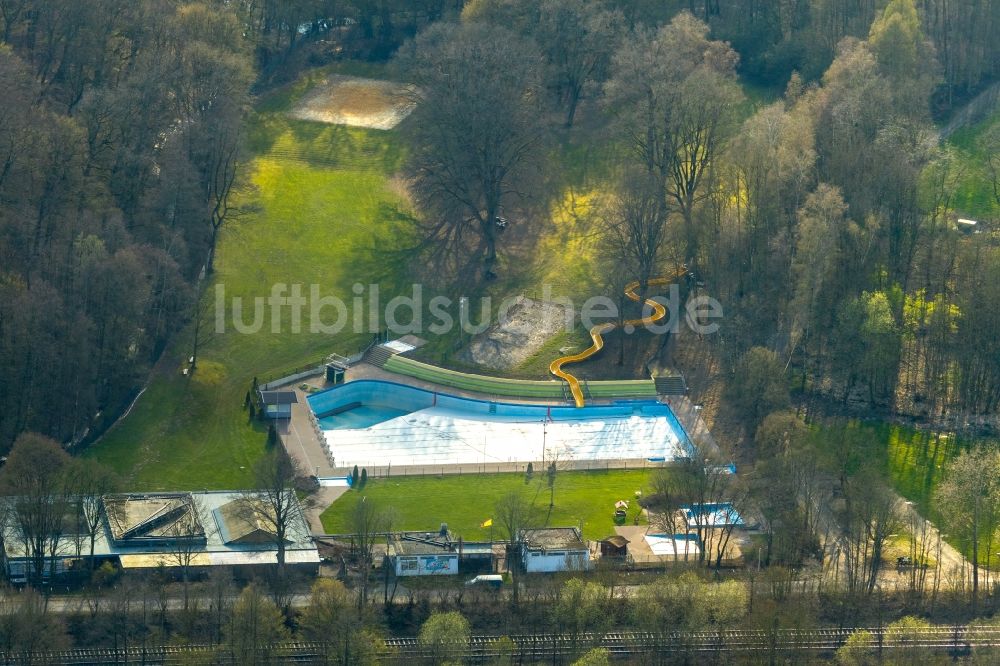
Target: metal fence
[{"x": 519, "y": 467}]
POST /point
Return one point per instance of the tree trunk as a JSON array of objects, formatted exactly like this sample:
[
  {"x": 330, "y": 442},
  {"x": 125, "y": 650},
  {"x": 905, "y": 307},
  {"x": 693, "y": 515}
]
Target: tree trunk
[
  {"x": 574, "y": 101},
  {"x": 975, "y": 554},
  {"x": 210, "y": 262},
  {"x": 490, "y": 239},
  {"x": 690, "y": 235}
]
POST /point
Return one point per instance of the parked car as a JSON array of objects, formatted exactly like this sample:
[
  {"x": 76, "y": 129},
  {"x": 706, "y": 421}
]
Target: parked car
[{"x": 491, "y": 580}]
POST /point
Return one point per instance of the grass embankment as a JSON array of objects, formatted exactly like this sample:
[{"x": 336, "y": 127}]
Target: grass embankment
[
  {"x": 317, "y": 209},
  {"x": 582, "y": 499}
]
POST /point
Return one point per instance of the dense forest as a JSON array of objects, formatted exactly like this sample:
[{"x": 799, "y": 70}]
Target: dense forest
[
  {"x": 822, "y": 221},
  {"x": 121, "y": 137}
]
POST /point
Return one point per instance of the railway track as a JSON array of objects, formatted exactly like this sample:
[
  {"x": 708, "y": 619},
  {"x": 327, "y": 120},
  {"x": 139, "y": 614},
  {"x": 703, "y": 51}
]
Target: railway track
[{"x": 952, "y": 640}]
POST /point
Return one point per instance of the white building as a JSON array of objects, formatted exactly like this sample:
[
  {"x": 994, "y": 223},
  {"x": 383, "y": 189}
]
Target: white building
[
  {"x": 554, "y": 549},
  {"x": 430, "y": 555}
]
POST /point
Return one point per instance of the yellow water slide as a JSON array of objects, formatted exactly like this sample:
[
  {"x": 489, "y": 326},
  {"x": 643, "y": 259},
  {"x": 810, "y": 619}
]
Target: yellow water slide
[{"x": 597, "y": 332}]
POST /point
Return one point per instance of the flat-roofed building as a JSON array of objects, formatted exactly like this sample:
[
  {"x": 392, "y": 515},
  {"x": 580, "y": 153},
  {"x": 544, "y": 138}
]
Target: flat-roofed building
[
  {"x": 554, "y": 549},
  {"x": 277, "y": 404},
  {"x": 419, "y": 555},
  {"x": 152, "y": 530},
  {"x": 147, "y": 520}
]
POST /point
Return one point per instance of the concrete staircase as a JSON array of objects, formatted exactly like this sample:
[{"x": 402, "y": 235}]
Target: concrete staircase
[
  {"x": 378, "y": 355},
  {"x": 670, "y": 385}
]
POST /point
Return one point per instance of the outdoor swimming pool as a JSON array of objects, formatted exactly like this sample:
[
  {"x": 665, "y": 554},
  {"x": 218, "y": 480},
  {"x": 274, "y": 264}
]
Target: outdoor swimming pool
[
  {"x": 361, "y": 416},
  {"x": 376, "y": 423}
]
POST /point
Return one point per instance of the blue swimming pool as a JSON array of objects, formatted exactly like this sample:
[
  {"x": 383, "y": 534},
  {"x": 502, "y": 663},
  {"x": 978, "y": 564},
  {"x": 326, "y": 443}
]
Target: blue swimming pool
[
  {"x": 375, "y": 423},
  {"x": 367, "y": 402},
  {"x": 361, "y": 416}
]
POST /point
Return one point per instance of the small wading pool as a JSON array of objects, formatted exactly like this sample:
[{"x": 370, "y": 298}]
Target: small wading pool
[{"x": 376, "y": 423}]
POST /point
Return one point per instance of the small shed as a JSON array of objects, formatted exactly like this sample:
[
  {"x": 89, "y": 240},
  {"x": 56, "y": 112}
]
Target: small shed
[
  {"x": 335, "y": 372},
  {"x": 277, "y": 404},
  {"x": 614, "y": 546}
]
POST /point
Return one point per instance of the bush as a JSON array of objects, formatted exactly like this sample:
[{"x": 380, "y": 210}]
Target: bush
[
  {"x": 445, "y": 635},
  {"x": 596, "y": 657},
  {"x": 758, "y": 386},
  {"x": 364, "y": 477},
  {"x": 858, "y": 650}
]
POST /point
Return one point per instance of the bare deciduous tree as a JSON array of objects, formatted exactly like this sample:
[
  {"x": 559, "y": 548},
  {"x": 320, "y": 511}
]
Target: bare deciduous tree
[
  {"x": 272, "y": 502},
  {"x": 36, "y": 481},
  {"x": 514, "y": 513},
  {"x": 870, "y": 515},
  {"x": 699, "y": 483},
  {"x": 578, "y": 38},
  {"x": 475, "y": 133},
  {"x": 369, "y": 522},
  {"x": 90, "y": 483},
  {"x": 675, "y": 94},
  {"x": 186, "y": 543},
  {"x": 636, "y": 227}
]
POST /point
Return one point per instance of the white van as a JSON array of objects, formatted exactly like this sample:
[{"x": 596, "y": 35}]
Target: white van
[{"x": 493, "y": 580}]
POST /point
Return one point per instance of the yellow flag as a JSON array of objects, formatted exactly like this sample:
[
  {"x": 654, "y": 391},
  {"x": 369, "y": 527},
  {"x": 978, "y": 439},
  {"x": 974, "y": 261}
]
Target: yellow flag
[{"x": 487, "y": 523}]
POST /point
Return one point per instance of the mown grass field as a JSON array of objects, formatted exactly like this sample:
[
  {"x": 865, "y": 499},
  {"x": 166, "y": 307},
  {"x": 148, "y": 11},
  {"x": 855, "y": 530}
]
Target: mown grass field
[
  {"x": 975, "y": 192},
  {"x": 913, "y": 462},
  {"x": 582, "y": 499},
  {"x": 318, "y": 209}
]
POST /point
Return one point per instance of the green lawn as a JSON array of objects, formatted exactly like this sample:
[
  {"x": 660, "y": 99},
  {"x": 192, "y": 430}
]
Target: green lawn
[
  {"x": 582, "y": 499},
  {"x": 975, "y": 192},
  {"x": 317, "y": 209},
  {"x": 913, "y": 462},
  {"x": 916, "y": 461}
]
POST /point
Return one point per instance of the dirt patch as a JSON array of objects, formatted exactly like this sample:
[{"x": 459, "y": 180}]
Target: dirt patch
[
  {"x": 349, "y": 100},
  {"x": 528, "y": 324}
]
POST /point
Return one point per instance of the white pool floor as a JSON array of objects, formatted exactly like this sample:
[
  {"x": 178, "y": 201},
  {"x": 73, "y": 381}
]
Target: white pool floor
[{"x": 437, "y": 436}]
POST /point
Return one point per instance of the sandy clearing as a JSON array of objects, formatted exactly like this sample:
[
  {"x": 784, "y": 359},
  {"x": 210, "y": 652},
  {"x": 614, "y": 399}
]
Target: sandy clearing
[{"x": 358, "y": 102}]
